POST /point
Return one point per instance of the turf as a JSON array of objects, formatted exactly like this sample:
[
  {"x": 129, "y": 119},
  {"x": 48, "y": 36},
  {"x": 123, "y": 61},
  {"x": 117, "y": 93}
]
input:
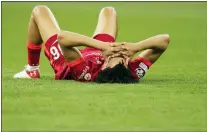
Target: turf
[{"x": 171, "y": 97}]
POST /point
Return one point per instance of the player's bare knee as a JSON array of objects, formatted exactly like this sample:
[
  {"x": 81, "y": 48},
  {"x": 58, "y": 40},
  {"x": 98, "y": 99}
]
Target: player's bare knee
[
  {"x": 38, "y": 10},
  {"x": 109, "y": 11},
  {"x": 108, "y": 8}
]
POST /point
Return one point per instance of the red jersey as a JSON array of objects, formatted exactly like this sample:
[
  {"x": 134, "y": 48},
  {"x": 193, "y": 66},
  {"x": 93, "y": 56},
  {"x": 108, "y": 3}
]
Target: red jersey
[{"x": 87, "y": 68}]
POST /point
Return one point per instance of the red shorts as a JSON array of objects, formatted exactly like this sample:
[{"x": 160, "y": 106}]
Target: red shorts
[
  {"x": 101, "y": 37},
  {"x": 54, "y": 54}
]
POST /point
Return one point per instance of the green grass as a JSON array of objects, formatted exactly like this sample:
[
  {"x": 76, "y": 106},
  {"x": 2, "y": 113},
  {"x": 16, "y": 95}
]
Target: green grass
[{"x": 172, "y": 96}]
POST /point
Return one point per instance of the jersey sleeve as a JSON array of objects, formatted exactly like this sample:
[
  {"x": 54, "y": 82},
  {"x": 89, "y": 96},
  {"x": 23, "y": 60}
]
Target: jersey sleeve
[
  {"x": 65, "y": 72},
  {"x": 139, "y": 67},
  {"x": 146, "y": 62}
]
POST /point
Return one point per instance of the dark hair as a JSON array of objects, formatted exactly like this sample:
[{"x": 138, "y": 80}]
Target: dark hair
[{"x": 117, "y": 74}]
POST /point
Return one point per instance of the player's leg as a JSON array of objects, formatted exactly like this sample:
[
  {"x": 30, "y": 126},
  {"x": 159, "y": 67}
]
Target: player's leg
[
  {"x": 107, "y": 22},
  {"x": 152, "y": 55},
  {"x": 42, "y": 26},
  {"x": 106, "y": 28},
  {"x": 48, "y": 27},
  {"x": 45, "y": 24}
]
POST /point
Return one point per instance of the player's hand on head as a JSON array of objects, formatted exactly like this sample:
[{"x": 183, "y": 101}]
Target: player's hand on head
[
  {"x": 120, "y": 49},
  {"x": 124, "y": 49},
  {"x": 128, "y": 50},
  {"x": 117, "y": 44},
  {"x": 118, "y": 54},
  {"x": 111, "y": 49}
]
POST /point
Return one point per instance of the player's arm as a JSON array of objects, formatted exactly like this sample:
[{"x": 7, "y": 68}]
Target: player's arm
[
  {"x": 160, "y": 42},
  {"x": 152, "y": 47},
  {"x": 68, "y": 39}
]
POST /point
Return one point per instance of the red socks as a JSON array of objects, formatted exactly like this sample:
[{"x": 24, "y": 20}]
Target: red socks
[{"x": 33, "y": 53}]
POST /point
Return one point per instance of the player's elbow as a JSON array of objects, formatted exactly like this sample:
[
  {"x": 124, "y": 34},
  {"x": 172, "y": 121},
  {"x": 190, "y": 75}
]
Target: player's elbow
[{"x": 165, "y": 40}]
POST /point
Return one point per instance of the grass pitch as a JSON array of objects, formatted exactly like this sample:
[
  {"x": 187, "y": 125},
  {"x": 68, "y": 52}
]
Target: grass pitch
[{"x": 172, "y": 96}]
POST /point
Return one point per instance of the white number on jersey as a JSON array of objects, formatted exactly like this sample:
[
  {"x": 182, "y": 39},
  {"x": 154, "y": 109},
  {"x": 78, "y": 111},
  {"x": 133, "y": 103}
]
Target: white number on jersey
[{"x": 54, "y": 52}]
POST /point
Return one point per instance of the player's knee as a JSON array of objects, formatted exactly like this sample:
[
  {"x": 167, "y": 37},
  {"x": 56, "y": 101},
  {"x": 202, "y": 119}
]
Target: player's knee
[
  {"x": 109, "y": 10},
  {"x": 38, "y": 10}
]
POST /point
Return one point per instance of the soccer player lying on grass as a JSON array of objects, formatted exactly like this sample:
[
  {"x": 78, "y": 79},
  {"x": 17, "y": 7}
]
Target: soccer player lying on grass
[{"x": 102, "y": 60}]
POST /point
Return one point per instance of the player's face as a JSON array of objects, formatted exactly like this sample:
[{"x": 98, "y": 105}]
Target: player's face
[{"x": 112, "y": 62}]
